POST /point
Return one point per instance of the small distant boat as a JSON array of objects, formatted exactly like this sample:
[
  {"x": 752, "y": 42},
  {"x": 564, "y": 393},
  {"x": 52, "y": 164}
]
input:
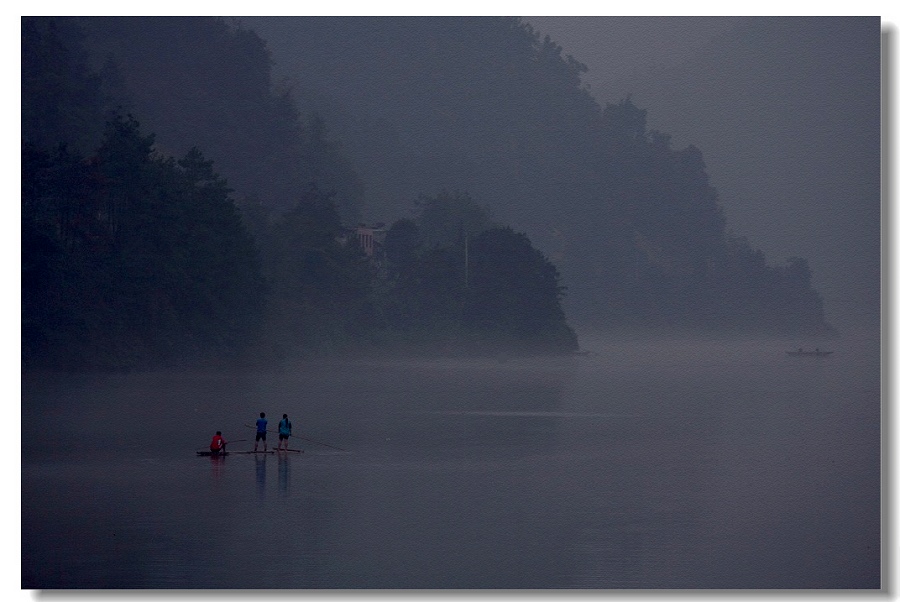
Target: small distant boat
[{"x": 811, "y": 353}]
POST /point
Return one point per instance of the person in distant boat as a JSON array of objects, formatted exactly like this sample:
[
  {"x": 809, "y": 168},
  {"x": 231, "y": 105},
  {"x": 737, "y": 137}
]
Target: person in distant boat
[
  {"x": 261, "y": 423},
  {"x": 284, "y": 432},
  {"x": 218, "y": 444}
]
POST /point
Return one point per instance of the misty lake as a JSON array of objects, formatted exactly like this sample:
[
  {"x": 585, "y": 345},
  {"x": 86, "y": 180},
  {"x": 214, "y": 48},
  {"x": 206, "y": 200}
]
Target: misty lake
[{"x": 672, "y": 464}]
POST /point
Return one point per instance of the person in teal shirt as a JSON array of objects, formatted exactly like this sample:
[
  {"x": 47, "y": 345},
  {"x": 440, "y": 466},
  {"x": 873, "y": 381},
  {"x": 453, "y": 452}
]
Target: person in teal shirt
[{"x": 284, "y": 432}]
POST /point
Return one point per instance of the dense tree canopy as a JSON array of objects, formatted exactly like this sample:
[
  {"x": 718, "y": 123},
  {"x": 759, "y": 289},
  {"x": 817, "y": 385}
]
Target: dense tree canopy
[
  {"x": 476, "y": 286},
  {"x": 131, "y": 258}
]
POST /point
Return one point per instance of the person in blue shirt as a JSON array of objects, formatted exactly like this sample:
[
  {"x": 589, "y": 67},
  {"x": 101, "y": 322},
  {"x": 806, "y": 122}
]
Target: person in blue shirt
[
  {"x": 261, "y": 423},
  {"x": 284, "y": 432}
]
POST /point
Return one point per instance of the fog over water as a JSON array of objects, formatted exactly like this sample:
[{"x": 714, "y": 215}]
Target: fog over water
[{"x": 673, "y": 464}]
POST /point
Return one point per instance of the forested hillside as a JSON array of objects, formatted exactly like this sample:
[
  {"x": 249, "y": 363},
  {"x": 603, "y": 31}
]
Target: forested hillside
[
  {"x": 134, "y": 258},
  {"x": 180, "y": 203},
  {"x": 491, "y": 107}
]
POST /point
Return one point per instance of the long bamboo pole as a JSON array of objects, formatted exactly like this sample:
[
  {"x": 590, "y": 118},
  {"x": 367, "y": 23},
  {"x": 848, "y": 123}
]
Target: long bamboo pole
[{"x": 302, "y": 438}]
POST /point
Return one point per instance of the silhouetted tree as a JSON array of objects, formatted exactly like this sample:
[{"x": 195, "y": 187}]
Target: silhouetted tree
[{"x": 514, "y": 293}]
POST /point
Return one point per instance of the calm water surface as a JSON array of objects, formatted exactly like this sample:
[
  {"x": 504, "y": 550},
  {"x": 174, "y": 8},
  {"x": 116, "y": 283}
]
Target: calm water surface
[{"x": 645, "y": 465}]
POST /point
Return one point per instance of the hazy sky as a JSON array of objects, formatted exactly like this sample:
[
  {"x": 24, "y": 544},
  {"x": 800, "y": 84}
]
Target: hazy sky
[{"x": 787, "y": 118}]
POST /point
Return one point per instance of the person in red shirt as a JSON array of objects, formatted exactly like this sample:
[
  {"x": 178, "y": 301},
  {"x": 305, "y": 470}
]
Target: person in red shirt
[{"x": 218, "y": 444}]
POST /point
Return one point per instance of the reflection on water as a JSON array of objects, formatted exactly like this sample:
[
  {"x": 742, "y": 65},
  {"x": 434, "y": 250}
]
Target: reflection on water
[
  {"x": 260, "y": 474},
  {"x": 685, "y": 465},
  {"x": 284, "y": 474},
  {"x": 216, "y": 463}
]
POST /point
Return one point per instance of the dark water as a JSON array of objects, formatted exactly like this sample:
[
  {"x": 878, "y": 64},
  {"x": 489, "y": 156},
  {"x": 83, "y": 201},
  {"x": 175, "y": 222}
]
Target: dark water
[{"x": 646, "y": 465}]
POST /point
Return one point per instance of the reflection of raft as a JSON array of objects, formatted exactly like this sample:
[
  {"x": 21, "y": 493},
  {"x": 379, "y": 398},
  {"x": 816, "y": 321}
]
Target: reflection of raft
[{"x": 814, "y": 353}]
